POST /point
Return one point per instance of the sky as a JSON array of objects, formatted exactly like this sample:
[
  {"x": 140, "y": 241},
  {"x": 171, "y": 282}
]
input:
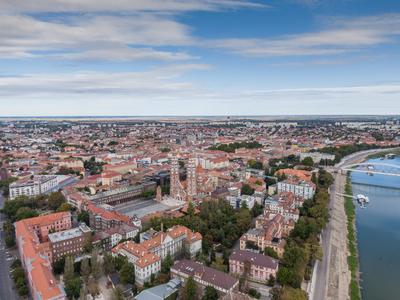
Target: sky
[{"x": 199, "y": 57}]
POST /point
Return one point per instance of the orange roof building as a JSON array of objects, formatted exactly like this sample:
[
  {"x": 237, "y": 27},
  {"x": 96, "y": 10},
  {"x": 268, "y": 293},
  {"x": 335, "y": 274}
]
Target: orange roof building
[
  {"x": 155, "y": 246},
  {"x": 31, "y": 235}
]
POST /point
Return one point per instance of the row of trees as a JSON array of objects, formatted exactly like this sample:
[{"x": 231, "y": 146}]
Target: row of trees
[
  {"x": 81, "y": 279},
  {"x": 302, "y": 246},
  {"x": 18, "y": 276},
  {"x": 345, "y": 150},
  {"x": 230, "y": 148}
]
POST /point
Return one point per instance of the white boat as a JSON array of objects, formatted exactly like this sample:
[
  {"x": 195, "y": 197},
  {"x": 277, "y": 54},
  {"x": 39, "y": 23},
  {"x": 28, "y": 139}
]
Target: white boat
[{"x": 362, "y": 199}]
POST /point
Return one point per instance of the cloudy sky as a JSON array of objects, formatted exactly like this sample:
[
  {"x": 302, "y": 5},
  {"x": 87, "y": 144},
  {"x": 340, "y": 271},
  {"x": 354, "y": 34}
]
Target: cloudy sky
[{"x": 199, "y": 57}]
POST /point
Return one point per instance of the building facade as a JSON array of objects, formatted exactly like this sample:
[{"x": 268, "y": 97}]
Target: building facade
[
  {"x": 261, "y": 267},
  {"x": 33, "y": 187}
]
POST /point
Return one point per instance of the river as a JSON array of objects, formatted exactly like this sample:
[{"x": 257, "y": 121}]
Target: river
[{"x": 378, "y": 232}]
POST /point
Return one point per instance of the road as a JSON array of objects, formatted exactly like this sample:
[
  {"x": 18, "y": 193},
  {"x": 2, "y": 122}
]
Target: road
[
  {"x": 332, "y": 273},
  {"x": 6, "y": 290}
]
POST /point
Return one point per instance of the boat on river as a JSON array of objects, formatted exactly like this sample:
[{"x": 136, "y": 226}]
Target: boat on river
[{"x": 362, "y": 200}]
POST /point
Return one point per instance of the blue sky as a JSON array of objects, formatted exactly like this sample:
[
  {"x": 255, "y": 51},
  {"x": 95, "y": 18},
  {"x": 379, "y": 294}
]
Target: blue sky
[{"x": 199, "y": 57}]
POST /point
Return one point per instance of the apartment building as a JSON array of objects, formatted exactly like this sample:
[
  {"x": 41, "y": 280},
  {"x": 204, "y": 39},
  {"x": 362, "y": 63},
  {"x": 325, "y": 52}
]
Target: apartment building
[
  {"x": 109, "y": 238},
  {"x": 69, "y": 242},
  {"x": 101, "y": 218},
  {"x": 204, "y": 276},
  {"x": 261, "y": 266},
  {"x": 302, "y": 188},
  {"x": 33, "y": 187},
  {"x": 270, "y": 234}
]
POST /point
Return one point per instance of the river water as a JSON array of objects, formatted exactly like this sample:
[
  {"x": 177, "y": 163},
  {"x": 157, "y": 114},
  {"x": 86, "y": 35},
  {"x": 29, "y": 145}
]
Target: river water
[{"x": 378, "y": 232}]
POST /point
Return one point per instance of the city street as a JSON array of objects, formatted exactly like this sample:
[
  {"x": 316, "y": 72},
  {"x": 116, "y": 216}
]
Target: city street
[{"x": 6, "y": 285}]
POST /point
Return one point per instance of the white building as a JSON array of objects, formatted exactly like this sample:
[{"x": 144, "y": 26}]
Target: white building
[
  {"x": 298, "y": 187},
  {"x": 33, "y": 187},
  {"x": 317, "y": 156},
  {"x": 237, "y": 202},
  {"x": 155, "y": 246}
]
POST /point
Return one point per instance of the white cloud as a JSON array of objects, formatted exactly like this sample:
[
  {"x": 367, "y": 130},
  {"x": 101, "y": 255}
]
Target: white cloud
[
  {"x": 153, "y": 83},
  {"x": 124, "y": 6},
  {"x": 341, "y": 36},
  {"x": 99, "y": 37},
  {"x": 163, "y": 91}
]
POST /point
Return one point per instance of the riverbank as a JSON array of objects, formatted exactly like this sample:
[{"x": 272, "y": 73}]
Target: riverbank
[
  {"x": 383, "y": 153},
  {"x": 352, "y": 259}
]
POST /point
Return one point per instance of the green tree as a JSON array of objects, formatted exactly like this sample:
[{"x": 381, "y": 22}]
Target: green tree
[
  {"x": 108, "y": 263},
  {"x": 127, "y": 273},
  {"x": 271, "y": 252},
  {"x": 210, "y": 293},
  {"x": 271, "y": 280},
  {"x": 219, "y": 264},
  {"x": 25, "y": 213},
  {"x": 64, "y": 207},
  {"x": 166, "y": 264},
  {"x": 247, "y": 189},
  {"x": 73, "y": 287},
  {"x": 69, "y": 268},
  {"x": 308, "y": 161},
  {"x": 83, "y": 216},
  {"x": 55, "y": 200},
  {"x": 190, "y": 290},
  {"x": 85, "y": 269}
]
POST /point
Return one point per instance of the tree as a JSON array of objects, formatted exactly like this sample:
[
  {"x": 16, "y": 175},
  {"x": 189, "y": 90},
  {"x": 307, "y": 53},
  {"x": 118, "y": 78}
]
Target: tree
[
  {"x": 247, "y": 190},
  {"x": 108, "y": 263},
  {"x": 190, "y": 291},
  {"x": 271, "y": 280},
  {"x": 55, "y": 200},
  {"x": 95, "y": 264},
  {"x": 210, "y": 293},
  {"x": 257, "y": 210},
  {"x": 166, "y": 264},
  {"x": 254, "y": 164},
  {"x": 308, "y": 161},
  {"x": 88, "y": 246},
  {"x": 127, "y": 273},
  {"x": 58, "y": 266},
  {"x": 73, "y": 287},
  {"x": 271, "y": 252},
  {"x": 85, "y": 269},
  {"x": 64, "y": 207},
  {"x": 83, "y": 216},
  {"x": 69, "y": 268},
  {"x": 219, "y": 264},
  {"x": 254, "y": 293},
  {"x": 25, "y": 213}
]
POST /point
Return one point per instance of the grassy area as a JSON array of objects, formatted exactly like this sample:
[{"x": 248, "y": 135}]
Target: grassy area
[
  {"x": 352, "y": 259},
  {"x": 383, "y": 153}
]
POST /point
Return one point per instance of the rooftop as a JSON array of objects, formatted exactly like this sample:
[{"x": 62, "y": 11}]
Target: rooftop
[{"x": 68, "y": 234}]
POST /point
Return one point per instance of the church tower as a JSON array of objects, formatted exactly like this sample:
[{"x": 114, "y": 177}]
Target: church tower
[{"x": 191, "y": 178}]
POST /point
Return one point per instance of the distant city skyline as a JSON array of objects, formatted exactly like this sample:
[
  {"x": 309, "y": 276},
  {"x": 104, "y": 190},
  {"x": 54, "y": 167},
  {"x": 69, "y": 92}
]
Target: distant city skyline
[{"x": 199, "y": 57}]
